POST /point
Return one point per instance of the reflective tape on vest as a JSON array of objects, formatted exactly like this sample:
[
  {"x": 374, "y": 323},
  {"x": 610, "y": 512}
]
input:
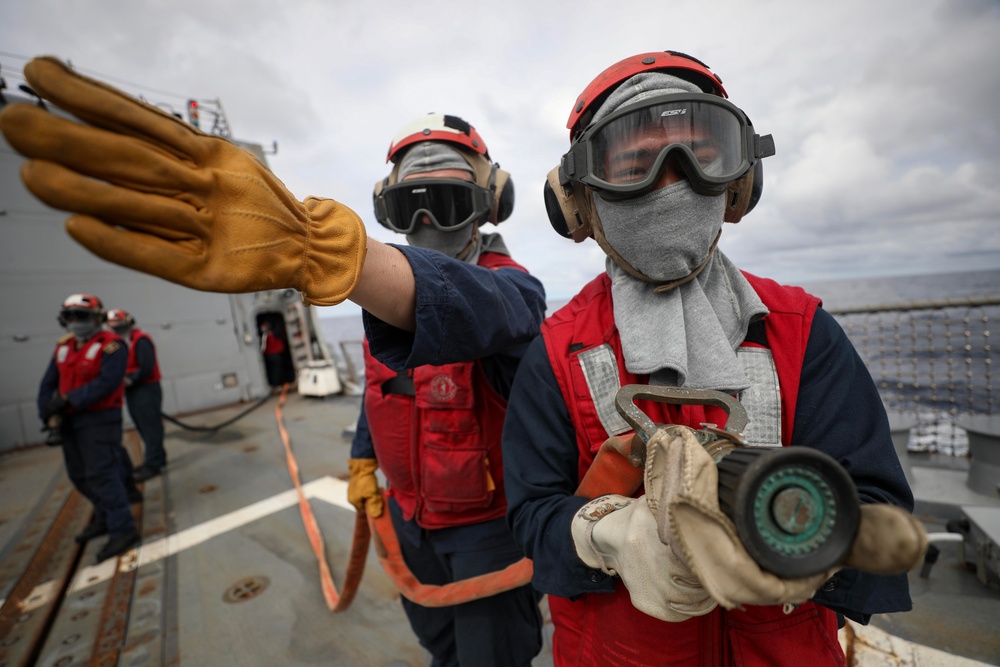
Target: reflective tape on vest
[
  {"x": 762, "y": 400},
  {"x": 601, "y": 372}
]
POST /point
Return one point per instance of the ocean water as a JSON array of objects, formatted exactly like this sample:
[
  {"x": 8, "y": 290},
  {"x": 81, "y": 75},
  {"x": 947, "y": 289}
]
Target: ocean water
[{"x": 934, "y": 362}]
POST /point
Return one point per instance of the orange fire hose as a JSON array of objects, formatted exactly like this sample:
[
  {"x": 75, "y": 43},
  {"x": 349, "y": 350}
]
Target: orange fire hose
[
  {"x": 359, "y": 545},
  {"x": 389, "y": 555},
  {"x": 612, "y": 470},
  {"x": 457, "y": 592}
]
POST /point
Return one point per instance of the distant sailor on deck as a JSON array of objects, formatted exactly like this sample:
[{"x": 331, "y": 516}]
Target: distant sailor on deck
[
  {"x": 81, "y": 395},
  {"x": 143, "y": 393}
]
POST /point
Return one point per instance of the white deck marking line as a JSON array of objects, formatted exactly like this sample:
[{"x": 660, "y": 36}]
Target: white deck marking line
[{"x": 327, "y": 489}]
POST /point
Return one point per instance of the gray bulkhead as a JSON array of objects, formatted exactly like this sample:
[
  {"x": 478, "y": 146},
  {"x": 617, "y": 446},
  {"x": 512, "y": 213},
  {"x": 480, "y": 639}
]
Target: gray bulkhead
[{"x": 208, "y": 345}]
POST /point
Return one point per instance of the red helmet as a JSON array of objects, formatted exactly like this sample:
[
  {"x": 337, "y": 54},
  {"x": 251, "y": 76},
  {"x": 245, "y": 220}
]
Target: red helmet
[
  {"x": 438, "y": 127},
  {"x": 679, "y": 64},
  {"x": 81, "y": 303},
  {"x": 120, "y": 319}
]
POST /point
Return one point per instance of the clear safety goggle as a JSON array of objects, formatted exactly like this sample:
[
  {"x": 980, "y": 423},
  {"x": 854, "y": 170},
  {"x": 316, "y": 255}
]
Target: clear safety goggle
[
  {"x": 624, "y": 155},
  {"x": 450, "y": 204}
]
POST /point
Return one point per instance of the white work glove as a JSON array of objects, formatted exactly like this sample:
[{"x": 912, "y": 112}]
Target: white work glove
[{"x": 618, "y": 535}]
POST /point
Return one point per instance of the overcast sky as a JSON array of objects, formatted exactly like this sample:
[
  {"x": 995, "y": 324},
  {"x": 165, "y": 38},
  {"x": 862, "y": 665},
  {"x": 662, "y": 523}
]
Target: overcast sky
[{"x": 885, "y": 113}]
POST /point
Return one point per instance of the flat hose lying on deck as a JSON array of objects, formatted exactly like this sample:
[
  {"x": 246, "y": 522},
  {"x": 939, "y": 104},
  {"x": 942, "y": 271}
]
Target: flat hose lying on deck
[
  {"x": 335, "y": 601},
  {"x": 389, "y": 555}
]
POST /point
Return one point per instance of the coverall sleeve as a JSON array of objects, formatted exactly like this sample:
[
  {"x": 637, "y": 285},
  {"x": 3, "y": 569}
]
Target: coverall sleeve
[
  {"x": 840, "y": 412},
  {"x": 362, "y": 446},
  {"x": 111, "y": 377},
  {"x": 540, "y": 460},
  {"x": 48, "y": 385},
  {"x": 463, "y": 312}
]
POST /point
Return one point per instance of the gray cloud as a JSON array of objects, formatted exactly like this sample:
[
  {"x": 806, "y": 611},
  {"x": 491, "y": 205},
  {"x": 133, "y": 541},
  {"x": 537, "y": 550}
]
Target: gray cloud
[{"x": 884, "y": 113}]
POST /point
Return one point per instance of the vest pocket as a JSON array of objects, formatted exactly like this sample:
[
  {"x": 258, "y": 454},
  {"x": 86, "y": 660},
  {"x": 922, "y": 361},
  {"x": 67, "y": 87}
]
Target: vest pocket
[
  {"x": 455, "y": 479},
  {"x": 454, "y": 472}
]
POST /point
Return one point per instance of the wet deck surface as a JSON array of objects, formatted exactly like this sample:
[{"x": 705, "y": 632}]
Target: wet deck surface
[{"x": 226, "y": 574}]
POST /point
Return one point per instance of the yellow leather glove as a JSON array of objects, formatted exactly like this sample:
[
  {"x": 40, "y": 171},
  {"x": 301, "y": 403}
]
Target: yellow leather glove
[
  {"x": 889, "y": 540},
  {"x": 362, "y": 487},
  {"x": 152, "y": 193}
]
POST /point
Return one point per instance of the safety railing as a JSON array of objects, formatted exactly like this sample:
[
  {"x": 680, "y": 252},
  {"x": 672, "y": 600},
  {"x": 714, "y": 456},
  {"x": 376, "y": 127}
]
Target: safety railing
[{"x": 931, "y": 360}]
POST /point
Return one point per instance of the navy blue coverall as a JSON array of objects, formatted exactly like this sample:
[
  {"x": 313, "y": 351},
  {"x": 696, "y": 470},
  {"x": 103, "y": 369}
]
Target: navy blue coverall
[
  {"x": 92, "y": 442},
  {"x": 145, "y": 402}
]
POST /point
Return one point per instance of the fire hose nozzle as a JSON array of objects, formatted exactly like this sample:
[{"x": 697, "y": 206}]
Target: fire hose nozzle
[{"x": 795, "y": 509}]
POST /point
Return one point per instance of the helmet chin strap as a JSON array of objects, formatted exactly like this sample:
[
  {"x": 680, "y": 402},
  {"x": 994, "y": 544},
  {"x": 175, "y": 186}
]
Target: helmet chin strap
[
  {"x": 631, "y": 270},
  {"x": 470, "y": 246}
]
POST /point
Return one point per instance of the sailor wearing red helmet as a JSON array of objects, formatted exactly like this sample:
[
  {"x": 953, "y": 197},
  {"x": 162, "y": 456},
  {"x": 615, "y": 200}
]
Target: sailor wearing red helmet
[
  {"x": 434, "y": 428},
  {"x": 143, "y": 393},
  {"x": 658, "y": 161},
  {"x": 81, "y": 395}
]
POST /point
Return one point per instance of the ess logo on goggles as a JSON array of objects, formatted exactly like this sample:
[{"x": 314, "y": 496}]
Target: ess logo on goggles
[
  {"x": 623, "y": 156},
  {"x": 450, "y": 204}
]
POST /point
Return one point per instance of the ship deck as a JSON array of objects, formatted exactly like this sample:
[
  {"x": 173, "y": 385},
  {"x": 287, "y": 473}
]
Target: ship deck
[{"x": 226, "y": 573}]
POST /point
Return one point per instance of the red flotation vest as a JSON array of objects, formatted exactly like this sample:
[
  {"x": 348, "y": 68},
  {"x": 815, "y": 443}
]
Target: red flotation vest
[{"x": 604, "y": 628}]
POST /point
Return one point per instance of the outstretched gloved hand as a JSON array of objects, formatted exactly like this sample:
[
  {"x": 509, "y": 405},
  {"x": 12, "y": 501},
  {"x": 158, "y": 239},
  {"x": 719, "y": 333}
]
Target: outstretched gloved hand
[
  {"x": 152, "y": 193},
  {"x": 362, "y": 487},
  {"x": 889, "y": 540}
]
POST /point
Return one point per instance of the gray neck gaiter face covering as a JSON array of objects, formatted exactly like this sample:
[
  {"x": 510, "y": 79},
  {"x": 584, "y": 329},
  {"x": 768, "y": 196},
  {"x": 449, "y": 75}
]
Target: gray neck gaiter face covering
[
  {"x": 449, "y": 243},
  {"x": 687, "y": 336},
  {"x": 83, "y": 331},
  {"x": 665, "y": 234}
]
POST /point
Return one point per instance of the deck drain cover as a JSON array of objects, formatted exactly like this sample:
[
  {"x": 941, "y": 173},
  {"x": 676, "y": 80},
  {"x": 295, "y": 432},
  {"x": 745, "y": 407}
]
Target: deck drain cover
[{"x": 246, "y": 589}]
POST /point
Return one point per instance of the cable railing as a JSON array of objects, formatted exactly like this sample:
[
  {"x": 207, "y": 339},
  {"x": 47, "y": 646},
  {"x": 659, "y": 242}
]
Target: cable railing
[{"x": 932, "y": 361}]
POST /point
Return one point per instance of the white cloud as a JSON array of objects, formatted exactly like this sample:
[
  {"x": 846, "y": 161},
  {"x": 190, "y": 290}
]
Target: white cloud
[{"x": 884, "y": 113}]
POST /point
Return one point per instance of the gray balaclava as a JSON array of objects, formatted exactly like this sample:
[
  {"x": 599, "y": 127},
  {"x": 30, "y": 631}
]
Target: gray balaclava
[
  {"x": 85, "y": 330},
  {"x": 688, "y": 335},
  {"x": 433, "y": 156}
]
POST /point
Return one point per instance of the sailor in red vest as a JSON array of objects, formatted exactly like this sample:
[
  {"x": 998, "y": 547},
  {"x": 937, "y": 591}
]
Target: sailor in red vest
[
  {"x": 274, "y": 348},
  {"x": 658, "y": 161},
  {"x": 82, "y": 391},
  {"x": 434, "y": 430},
  {"x": 143, "y": 393}
]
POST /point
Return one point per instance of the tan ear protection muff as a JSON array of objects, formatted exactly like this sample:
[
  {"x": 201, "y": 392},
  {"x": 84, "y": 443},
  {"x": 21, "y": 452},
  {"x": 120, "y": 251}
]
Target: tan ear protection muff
[
  {"x": 487, "y": 174},
  {"x": 503, "y": 195},
  {"x": 744, "y": 193},
  {"x": 567, "y": 217}
]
